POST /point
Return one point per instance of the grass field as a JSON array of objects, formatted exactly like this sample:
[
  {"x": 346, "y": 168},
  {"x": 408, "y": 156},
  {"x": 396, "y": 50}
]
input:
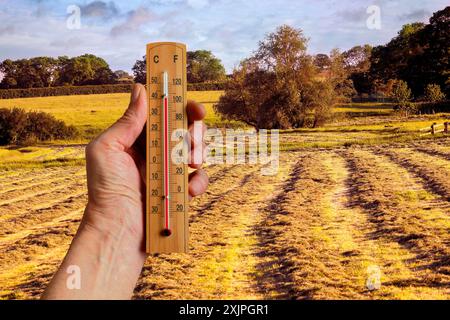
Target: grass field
[{"x": 360, "y": 198}]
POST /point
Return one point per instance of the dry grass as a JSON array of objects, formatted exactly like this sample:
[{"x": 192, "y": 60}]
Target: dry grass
[
  {"x": 311, "y": 232},
  {"x": 346, "y": 200}
]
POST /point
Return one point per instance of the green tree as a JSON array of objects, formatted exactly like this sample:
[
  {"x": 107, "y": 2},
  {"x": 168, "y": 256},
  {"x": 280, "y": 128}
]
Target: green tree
[
  {"x": 140, "y": 70},
  {"x": 357, "y": 63},
  {"x": 87, "y": 69},
  {"x": 419, "y": 54},
  {"x": 45, "y": 72},
  {"x": 203, "y": 66},
  {"x": 28, "y": 73}
]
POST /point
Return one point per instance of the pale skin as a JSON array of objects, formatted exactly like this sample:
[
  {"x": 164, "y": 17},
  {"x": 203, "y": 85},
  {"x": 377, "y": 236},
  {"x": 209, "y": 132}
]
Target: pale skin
[{"x": 108, "y": 248}]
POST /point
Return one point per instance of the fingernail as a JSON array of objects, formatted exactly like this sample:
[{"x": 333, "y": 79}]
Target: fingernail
[{"x": 135, "y": 93}]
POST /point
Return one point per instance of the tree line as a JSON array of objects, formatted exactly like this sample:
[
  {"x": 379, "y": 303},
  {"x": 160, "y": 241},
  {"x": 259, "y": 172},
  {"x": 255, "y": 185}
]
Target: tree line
[
  {"x": 42, "y": 72},
  {"x": 88, "y": 69},
  {"x": 418, "y": 56}
]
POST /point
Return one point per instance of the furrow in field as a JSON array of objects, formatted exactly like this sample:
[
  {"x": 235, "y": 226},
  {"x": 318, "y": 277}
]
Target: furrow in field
[
  {"x": 221, "y": 262},
  {"x": 402, "y": 212},
  {"x": 434, "y": 150},
  {"x": 29, "y": 278},
  {"x": 308, "y": 239},
  {"x": 220, "y": 184},
  {"x": 46, "y": 210},
  {"x": 23, "y": 246},
  {"x": 37, "y": 183},
  {"x": 60, "y": 211},
  {"x": 28, "y": 258},
  {"x": 37, "y": 193},
  {"x": 434, "y": 171},
  {"x": 26, "y": 175}
]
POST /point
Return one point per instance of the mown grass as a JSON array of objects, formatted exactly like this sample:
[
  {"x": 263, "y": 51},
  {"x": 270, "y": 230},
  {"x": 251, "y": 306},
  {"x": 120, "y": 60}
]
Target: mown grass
[{"x": 39, "y": 157}]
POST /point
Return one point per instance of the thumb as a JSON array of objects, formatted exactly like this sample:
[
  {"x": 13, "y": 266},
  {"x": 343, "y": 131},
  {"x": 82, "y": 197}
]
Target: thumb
[{"x": 128, "y": 128}]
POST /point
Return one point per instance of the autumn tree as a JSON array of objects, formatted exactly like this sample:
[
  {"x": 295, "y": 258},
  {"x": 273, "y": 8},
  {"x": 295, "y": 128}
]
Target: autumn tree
[
  {"x": 419, "y": 54},
  {"x": 278, "y": 87},
  {"x": 402, "y": 95},
  {"x": 433, "y": 93}
]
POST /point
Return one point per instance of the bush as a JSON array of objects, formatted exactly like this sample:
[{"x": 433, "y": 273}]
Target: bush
[
  {"x": 433, "y": 93},
  {"x": 20, "y": 127},
  {"x": 407, "y": 108}
]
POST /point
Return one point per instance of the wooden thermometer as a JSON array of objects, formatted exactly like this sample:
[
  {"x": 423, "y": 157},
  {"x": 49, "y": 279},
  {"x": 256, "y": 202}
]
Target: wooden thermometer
[{"x": 167, "y": 172}]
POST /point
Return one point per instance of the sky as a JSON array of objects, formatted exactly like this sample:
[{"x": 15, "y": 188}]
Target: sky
[{"x": 119, "y": 30}]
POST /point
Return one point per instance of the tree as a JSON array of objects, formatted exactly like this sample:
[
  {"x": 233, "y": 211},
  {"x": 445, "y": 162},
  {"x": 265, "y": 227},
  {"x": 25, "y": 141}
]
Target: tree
[
  {"x": 418, "y": 55},
  {"x": 322, "y": 62},
  {"x": 121, "y": 74},
  {"x": 433, "y": 93},
  {"x": 357, "y": 63},
  {"x": 140, "y": 71},
  {"x": 357, "y": 59},
  {"x": 432, "y": 64},
  {"x": 339, "y": 77},
  {"x": 87, "y": 69},
  {"x": 45, "y": 72},
  {"x": 392, "y": 60},
  {"x": 401, "y": 93},
  {"x": 28, "y": 73},
  {"x": 203, "y": 66},
  {"x": 278, "y": 87}
]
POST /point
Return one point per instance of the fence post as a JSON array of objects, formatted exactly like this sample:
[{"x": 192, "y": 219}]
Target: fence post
[
  {"x": 433, "y": 128},
  {"x": 446, "y": 127}
]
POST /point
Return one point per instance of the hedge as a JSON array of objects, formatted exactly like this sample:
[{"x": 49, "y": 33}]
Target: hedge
[
  {"x": 63, "y": 91},
  {"x": 436, "y": 107},
  {"x": 98, "y": 89},
  {"x": 206, "y": 86}
]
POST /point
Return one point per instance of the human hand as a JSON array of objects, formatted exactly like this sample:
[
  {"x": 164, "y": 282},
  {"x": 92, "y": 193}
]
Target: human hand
[{"x": 112, "y": 230}]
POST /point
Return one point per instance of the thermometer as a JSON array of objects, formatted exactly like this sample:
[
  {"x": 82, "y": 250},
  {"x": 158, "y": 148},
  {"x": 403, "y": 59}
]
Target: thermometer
[{"x": 167, "y": 172}]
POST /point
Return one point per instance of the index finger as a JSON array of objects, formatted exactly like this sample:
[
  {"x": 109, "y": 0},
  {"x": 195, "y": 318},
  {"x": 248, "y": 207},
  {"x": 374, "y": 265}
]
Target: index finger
[{"x": 195, "y": 111}]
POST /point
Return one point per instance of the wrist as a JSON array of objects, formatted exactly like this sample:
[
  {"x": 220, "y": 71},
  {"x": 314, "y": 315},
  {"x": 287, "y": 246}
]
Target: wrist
[
  {"x": 113, "y": 221},
  {"x": 108, "y": 256}
]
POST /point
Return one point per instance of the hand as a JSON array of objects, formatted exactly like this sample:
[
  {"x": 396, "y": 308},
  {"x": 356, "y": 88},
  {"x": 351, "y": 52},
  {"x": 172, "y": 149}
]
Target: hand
[{"x": 109, "y": 245}]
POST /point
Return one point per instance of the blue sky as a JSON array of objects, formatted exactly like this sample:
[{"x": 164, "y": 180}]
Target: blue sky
[{"x": 231, "y": 29}]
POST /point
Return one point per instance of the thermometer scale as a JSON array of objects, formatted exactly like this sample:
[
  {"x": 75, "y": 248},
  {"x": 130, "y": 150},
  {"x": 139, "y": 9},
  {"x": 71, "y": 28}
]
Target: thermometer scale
[{"x": 167, "y": 171}]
